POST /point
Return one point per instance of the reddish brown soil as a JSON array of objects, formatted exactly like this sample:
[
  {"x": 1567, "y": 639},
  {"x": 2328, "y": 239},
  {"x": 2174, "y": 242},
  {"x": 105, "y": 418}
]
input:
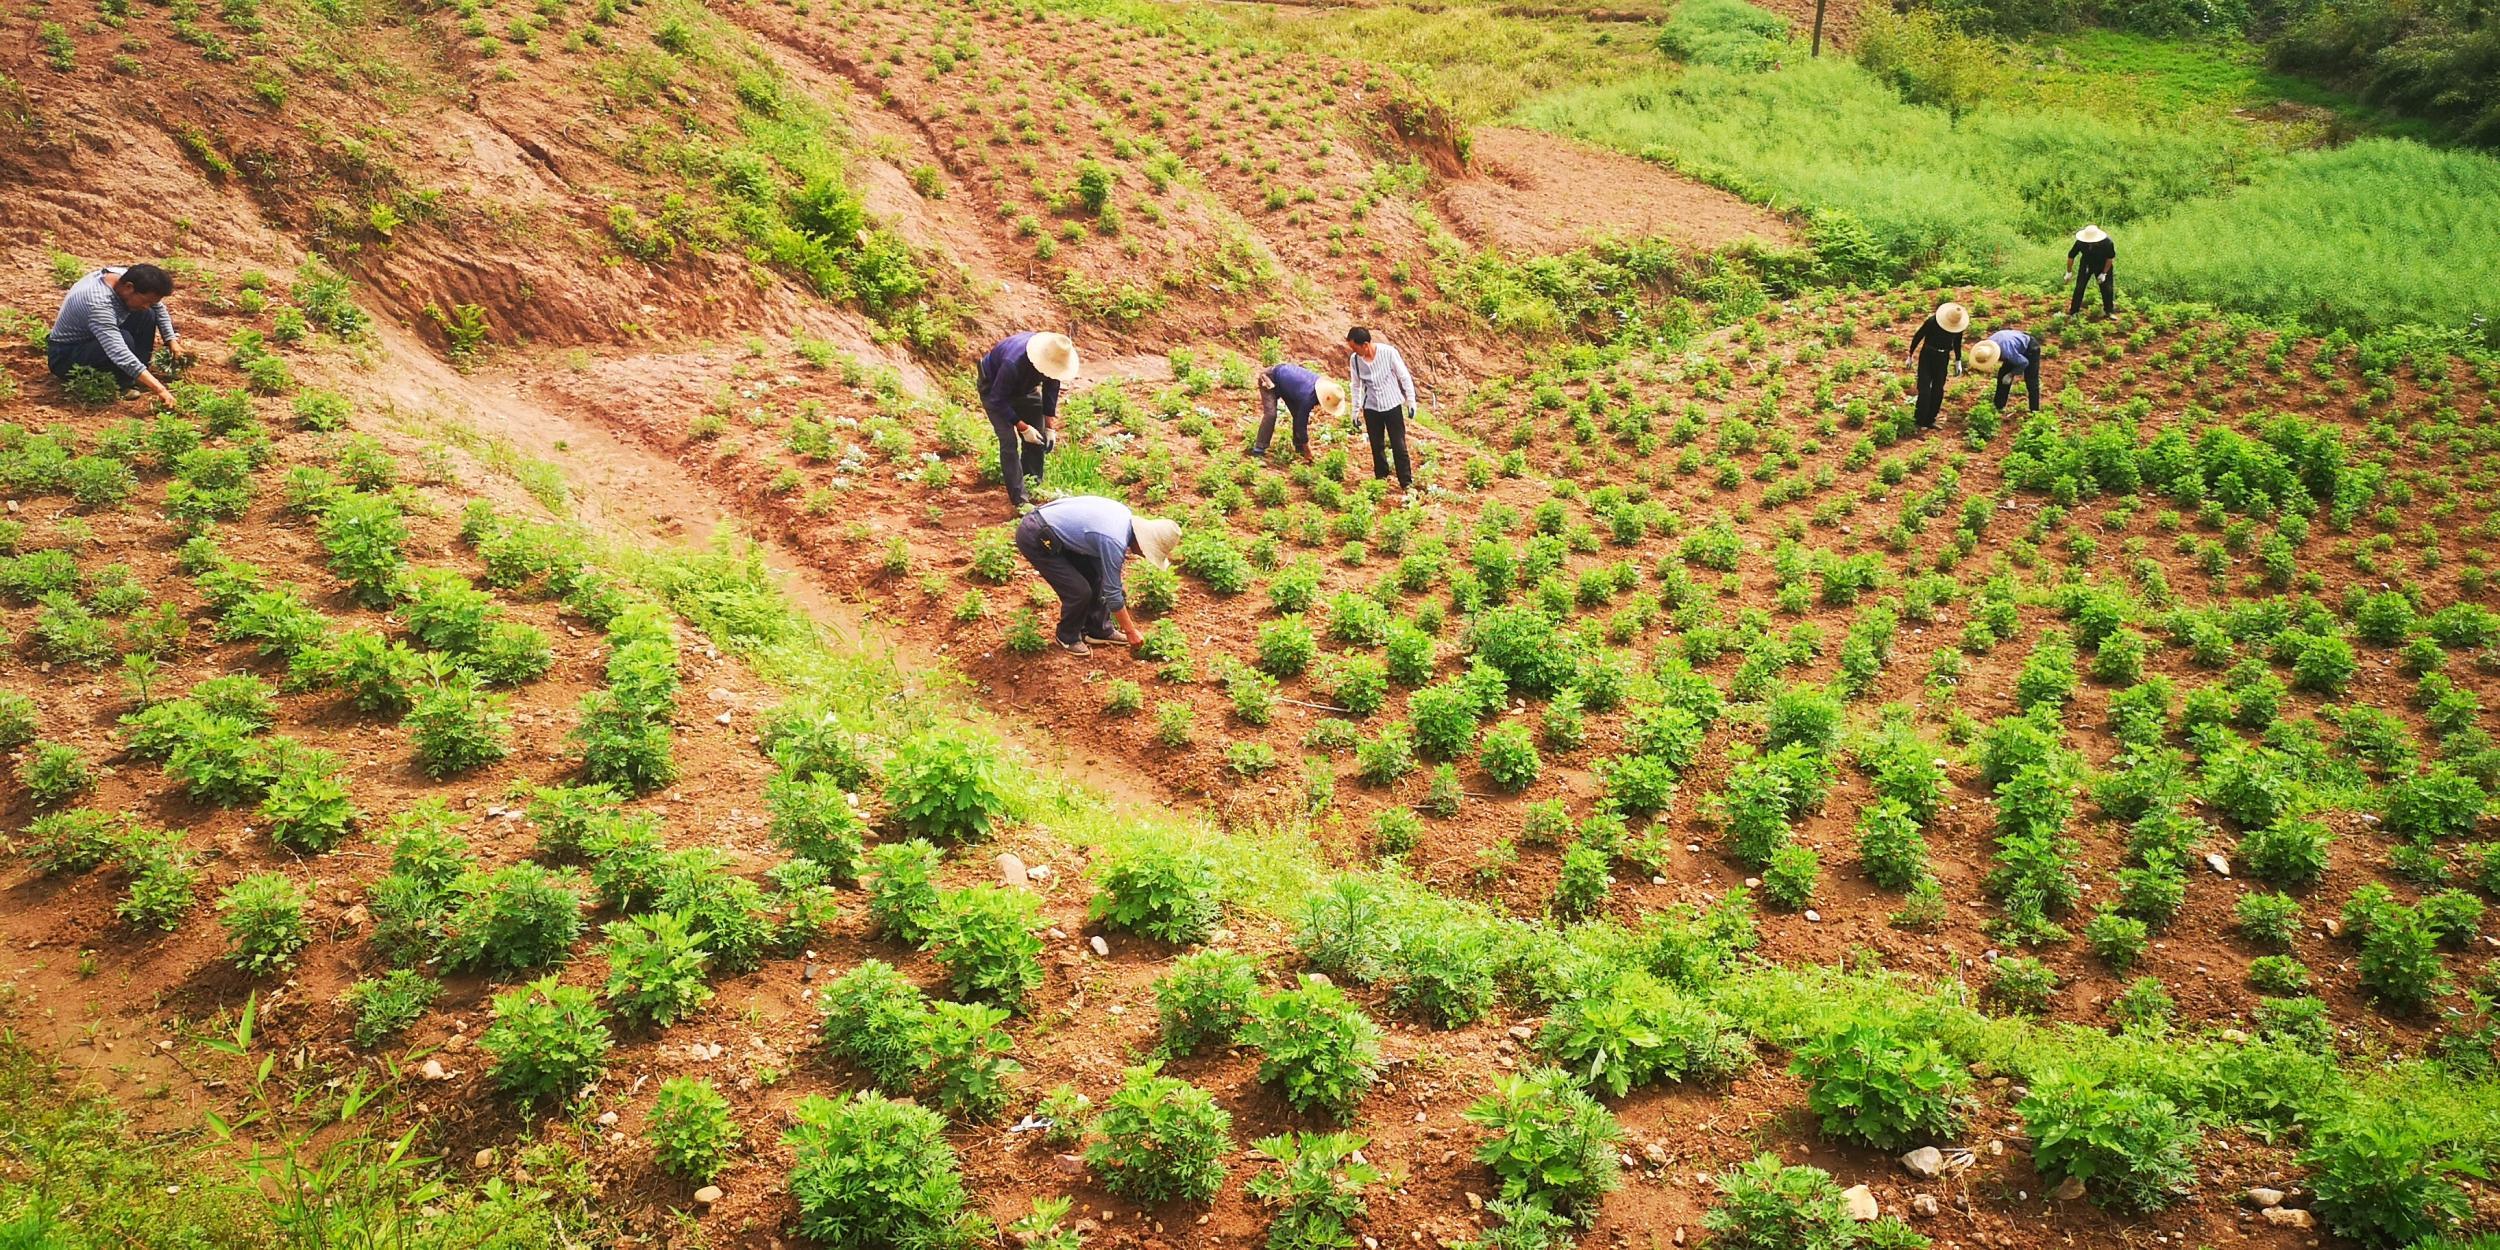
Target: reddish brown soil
[{"x": 1533, "y": 192}]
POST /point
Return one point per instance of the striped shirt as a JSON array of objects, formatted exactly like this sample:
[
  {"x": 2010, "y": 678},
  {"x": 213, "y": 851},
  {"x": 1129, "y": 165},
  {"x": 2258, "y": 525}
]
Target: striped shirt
[
  {"x": 1380, "y": 383},
  {"x": 93, "y": 312}
]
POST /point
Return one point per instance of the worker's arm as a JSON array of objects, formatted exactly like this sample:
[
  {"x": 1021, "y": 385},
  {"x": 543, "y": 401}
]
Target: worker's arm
[
  {"x": 1406, "y": 381},
  {"x": 1128, "y": 627}
]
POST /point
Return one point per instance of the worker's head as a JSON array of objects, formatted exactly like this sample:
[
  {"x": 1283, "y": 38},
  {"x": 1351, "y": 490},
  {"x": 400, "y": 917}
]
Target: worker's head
[
  {"x": 2090, "y": 234},
  {"x": 1054, "y": 355},
  {"x": 1986, "y": 355},
  {"x": 1359, "y": 341},
  {"x": 1154, "y": 538},
  {"x": 1331, "y": 398},
  {"x": 141, "y": 286},
  {"x": 1952, "y": 317}
]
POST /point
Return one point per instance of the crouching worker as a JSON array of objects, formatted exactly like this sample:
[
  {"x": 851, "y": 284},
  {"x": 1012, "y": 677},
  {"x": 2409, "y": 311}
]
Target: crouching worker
[
  {"x": 1080, "y": 545},
  {"x": 1020, "y": 380},
  {"x": 110, "y": 320},
  {"x": 1300, "y": 392},
  {"x": 2012, "y": 352}
]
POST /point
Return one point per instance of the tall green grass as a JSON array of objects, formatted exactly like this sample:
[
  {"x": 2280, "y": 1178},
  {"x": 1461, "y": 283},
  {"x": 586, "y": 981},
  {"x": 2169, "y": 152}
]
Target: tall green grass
[
  {"x": 1824, "y": 135},
  {"x": 2379, "y": 233}
]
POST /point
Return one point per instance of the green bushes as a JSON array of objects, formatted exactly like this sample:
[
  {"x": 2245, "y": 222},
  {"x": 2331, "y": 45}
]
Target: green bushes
[
  {"x": 869, "y": 1172},
  {"x": 1725, "y": 33},
  {"x": 1316, "y": 1048},
  {"x": 1549, "y": 1143},
  {"x": 1765, "y": 1205},
  {"x": 2387, "y": 1179},
  {"x": 1316, "y": 1188},
  {"x": 388, "y": 1004},
  {"x": 513, "y": 919},
  {"x": 691, "y": 1129},
  {"x": 1207, "y": 997},
  {"x": 546, "y": 1040},
  {"x": 2131, "y": 1148},
  {"x": 988, "y": 940},
  {"x": 655, "y": 968},
  {"x": 1166, "y": 892},
  {"x": 946, "y": 786},
  {"x": 1160, "y": 1139},
  {"x": 1635, "y": 1030},
  {"x": 1881, "y": 1087},
  {"x": 263, "y": 915},
  {"x": 458, "y": 725}
]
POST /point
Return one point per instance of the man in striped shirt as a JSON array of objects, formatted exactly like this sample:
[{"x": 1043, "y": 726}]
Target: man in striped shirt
[
  {"x": 110, "y": 320},
  {"x": 1381, "y": 387}
]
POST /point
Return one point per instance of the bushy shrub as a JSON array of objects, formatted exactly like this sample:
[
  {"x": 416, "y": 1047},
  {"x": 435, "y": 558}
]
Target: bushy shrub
[
  {"x": 1159, "y": 1139},
  {"x": 2119, "y": 939},
  {"x": 2132, "y": 1148},
  {"x": 1881, "y": 1086},
  {"x": 1635, "y": 1030},
  {"x": 388, "y": 1004},
  {"x": 1808, "y": 715},
  {"x": 902, "y": 889},
  {"x": 876, "y": 1019},
  {"x": 1523, "y": 643},
  {"x": 1166, "y": 892},
  {"x": 310, "y": 805},
  {"x": 1549, "y": 1143},
  {"x": 1509, "y": 756},
  {"x": 1317, "y": 1048},
  {"x": 946, "y": 786},
  {"x": 1207, "y": 997},
  {"x": 691, "y": 1129},
  {"x": 2388, "y": 1180},
  {"x": 458, "y": 725},
  {"x": 2400, "y": 963},
  {"x": 263, "y": 915},
  {"x": 547, "y": 1041},
  {"x": 815, "y": 818},
  {"x": 1765, "y": 1205},
  {"x": 1317, "y": 1188},
  {"x": 2022, "y": 984},
  {"x": 2268, "y": 919},
  {"x": 1890, "y": 846},
  {"x": 988, "y": 940},
  {"x": 655, "y": 968},
  {"x": 2290, "y": 852},
  {"x": 1286, "y": 647},
  {"x": 1444, "y": 717},
  {"x": 513, "y": 919},
  {"x": 54, "y": 773},
  {"x": 869, "y": 1172},
  {"x": 2442, "y": 803},
  {"x": 73, "y": 841},
  {"x": 1448, "y": 973}
]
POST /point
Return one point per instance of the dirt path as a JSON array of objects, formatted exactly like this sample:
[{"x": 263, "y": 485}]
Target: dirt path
[{"x": 1534, "y": 192}]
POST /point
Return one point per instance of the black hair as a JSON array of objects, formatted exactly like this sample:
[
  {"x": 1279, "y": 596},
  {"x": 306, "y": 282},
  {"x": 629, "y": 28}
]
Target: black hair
[
  {"x": 1358, "y": 335},
  {"x": 149, "y": 280}
]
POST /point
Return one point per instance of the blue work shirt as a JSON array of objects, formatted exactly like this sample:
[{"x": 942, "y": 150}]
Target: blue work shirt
[
  {"x": 1006, "y": 376},
  {"x": 2015, "y": 350},
  {"x": 1297, "y": 387},
  {"x": 1090, "y": 525}
]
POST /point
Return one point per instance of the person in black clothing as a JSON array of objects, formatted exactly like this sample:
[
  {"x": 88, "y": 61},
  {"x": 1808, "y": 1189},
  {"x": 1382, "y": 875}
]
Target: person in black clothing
[
  {"x": 1936, "y": 347},
  {"x": 2099, "y": 259}
]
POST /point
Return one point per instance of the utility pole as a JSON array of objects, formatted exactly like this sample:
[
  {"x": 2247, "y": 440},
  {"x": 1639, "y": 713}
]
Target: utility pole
[{"x": 1818, "y": 28}]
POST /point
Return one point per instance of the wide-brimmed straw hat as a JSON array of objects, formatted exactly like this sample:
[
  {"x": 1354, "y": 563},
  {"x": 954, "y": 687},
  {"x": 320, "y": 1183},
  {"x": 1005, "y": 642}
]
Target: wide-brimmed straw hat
[
  {"x": 1331, "y": 398},
  {"x": 1054, "y": 355},
  {"x": 1953, "y": 317},
  {"x": 1985, "y": 354},
  {"x": 1156, "y": 537},
  {"x": 2090, "y": 234}
]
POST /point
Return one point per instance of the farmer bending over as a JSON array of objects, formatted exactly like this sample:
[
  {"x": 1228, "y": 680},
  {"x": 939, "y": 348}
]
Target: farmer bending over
[
  {"x": 1020, "y": 381},
  {"x": 1300, "y": 391},
  {"x": 1936, "y": 346},
  {"x": 1385, "y": 391},
  {"x": 2100, "y": 263},
  {"x": 110, "y": 320},
  {"x": 2012, "y": 352},
  {"x": 1079, "y": 545}
]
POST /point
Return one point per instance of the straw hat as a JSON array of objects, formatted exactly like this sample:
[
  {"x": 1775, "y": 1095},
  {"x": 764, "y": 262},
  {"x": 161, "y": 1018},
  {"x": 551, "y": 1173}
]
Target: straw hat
[
  {"x": 1156, "y": 537},
  {"x": 1053, "y": 354},
  {"x": 1986, "y": 354},
  {"x": 2090, "y": 234},
  {"x": 1953, "y": 317},
  {"x": 1331, "y": 398}
]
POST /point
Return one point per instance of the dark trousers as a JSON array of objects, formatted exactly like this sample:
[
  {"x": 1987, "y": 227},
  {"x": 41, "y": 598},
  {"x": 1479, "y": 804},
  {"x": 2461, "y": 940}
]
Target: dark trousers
[
  {"x": 2109, "y": 294},
  {"x": 1931, "y": 373},
  {"x": 1018, "y": 459},
  {"x": 2031, "y": 384},
  {"x": 1386, "y": 428},
  {"x": 1076, "y": 577},
  {"x": 138, "y": 332},
  {"x": 1269, "y": 402}
]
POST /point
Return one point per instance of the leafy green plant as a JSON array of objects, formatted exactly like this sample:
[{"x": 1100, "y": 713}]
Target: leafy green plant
[
  {"x": 1549, "y": 1143},
  {"x": 162, "y": 880},
  {"x": 946, "y": 786},
  {"x": 816, "y": 818},
  {"x": 546, "y": 1040},
  {"x": 512, "y": 919},
  {"x": 2400, "y": 963},
  {"x": 386, "y": 1005},
  {"x": 1766, "y": 1205},
  {"x": 19, "y": 720},
  {"x": 1207, "y": 997},
  {"x": 54, "y": 773},
  {"x": 2132, "y": 1148},
  {"x": 988, "y": 939},
  {"x": 458, "y": 725},
  {"x": 869, "y": 1172},
  {"x": 2022, "y": 984},
  {"x": 1316, "y": 1047},
  {"x": 656, "y": 963},
  {"x": 310, "y": 805},
  {"x": 1634, "y": 1029},
  {"x": 2270, "y": 920},
  {"x": 1286, "y": 647},
  {"x": 1166, "y": 892},
  {"x": 902, "y": 889},
  {"x": 1316, "y": 1189},
  {"x": 877, "y": 1020},
  {"x": 73, "y": 841},
  {"x": 2388, "y": 1180},
  {"x": 1160, "y": 1138},
  {"x": 263, "y": 915},
  {"x": 1881, "y": 1086},
  {"x": 691, "y": 1128},
  {"x": 1509, "y": 756}
]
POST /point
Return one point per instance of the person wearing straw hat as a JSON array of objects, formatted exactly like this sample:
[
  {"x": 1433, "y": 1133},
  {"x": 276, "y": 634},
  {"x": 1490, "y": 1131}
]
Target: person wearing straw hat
[
  {"x": 2099, "y": 262},
  {"x": 1934, "y": 349},
  {"x": 2010, "y": 352},
  {"x": 1080, "y": 545},
  {"x": 1300, "y": 391},
  {"x": 1019, "y": 381}
]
